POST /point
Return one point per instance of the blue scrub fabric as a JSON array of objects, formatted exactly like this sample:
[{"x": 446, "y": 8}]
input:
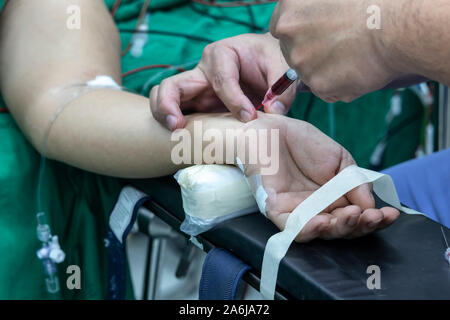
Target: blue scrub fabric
[{"x": 424, "y": 185}]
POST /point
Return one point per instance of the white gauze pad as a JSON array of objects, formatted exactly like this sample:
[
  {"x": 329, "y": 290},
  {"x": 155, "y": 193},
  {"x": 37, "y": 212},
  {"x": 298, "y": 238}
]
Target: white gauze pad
[{"x": 212, "y": 194}]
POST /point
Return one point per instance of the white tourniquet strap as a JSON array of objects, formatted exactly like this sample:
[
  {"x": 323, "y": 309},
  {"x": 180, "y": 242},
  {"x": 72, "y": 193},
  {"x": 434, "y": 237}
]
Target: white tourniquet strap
[{"x": 348, "y": 179}]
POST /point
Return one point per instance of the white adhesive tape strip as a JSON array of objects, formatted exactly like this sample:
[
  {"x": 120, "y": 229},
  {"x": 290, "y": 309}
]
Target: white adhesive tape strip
[
  {"x": 348, "y": 179},
  {"x": 103, "y": 81},
  {"x": 255, "y": 184}
]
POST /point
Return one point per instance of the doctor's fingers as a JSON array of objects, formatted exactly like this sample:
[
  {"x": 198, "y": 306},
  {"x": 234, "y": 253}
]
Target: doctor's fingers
[
  {"x": 166, "y": 98},
  {"x": 221, "y": 66}
]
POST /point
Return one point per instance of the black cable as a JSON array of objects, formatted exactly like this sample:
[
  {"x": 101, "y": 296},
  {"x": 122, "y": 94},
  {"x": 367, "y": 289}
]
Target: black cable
[
  {"x": 244, "y": 23},
  {"x": 252, "y": 18},
  {"x": 392, "y": 132},
  {"x": 168, "y": 33},
  {"x": 402, "y": 125},
  {"x": 309, "y": 107},
  {"x": 445, "y": 113}
]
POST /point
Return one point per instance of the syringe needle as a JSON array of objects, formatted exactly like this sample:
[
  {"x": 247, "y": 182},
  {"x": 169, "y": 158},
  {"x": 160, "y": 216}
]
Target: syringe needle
[
  {"x": 445, "y": 238},
  {"x": 447, "y": 252}
]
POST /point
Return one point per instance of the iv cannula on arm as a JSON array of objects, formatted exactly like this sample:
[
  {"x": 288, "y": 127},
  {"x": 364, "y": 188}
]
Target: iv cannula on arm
[{"x": 279, "y": 87}]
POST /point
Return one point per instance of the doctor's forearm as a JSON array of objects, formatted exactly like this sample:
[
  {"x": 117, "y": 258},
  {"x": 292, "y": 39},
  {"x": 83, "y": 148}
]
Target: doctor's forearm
[{"x": 415, "y": 38}]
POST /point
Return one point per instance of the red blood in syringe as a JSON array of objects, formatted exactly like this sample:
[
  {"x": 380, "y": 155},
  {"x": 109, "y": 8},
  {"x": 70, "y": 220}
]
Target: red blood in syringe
[{"x": 279, "y": 87}]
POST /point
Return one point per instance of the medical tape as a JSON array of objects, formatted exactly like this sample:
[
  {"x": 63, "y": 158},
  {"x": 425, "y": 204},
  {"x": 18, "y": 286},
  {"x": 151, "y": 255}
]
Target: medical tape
[
  {"x": 255, "y": 184},
  {"x": 348, "y": 179},
  {"x": 103, "y": 81}
]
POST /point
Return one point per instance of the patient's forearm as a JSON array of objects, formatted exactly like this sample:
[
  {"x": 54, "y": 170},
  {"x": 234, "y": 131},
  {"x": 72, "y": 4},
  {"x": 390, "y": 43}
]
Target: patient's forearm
[{"x": 113, "y": 133}]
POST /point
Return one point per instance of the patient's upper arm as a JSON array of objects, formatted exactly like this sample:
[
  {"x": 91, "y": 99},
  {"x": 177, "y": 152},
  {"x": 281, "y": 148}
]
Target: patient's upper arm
[{"x": 40, "y": 54}]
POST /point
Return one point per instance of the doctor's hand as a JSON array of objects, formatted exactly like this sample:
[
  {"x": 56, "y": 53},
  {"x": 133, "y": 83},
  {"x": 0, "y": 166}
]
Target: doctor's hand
[
  {"x": 307, "y": 160},
  {"x": 335, "y": 46},
  {"x": 233, "y": 74}
]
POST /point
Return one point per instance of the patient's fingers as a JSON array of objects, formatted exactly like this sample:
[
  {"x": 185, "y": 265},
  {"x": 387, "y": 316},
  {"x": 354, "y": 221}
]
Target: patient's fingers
[
  {"x": 277, "y": 203},
  {"x": 287, "y": 200},
  {"x": 311, "y": 230},
  {"x": 314, "y": 228},
  {"x": 390, "y": 215},
  {"x": 370, "y": 220},
  {"x": 347, "y": 222},
  {"x": 362, "y": 197},
  {"x": 280, "y": 206},
  {"x": 290, "y": 201},
  {"x": 343, "y": 221}
]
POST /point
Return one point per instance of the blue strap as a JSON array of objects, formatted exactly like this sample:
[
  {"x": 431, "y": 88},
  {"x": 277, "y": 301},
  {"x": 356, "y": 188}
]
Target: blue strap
[
  {"x": 116, "y": 267},
  {"x": 116, "y": 252},
  {"x": 221, "y": 275}
]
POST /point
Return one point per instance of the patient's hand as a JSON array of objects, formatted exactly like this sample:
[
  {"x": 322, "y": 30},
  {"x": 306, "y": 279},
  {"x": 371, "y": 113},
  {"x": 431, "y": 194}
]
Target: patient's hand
[{"x": 308, "y": 159}]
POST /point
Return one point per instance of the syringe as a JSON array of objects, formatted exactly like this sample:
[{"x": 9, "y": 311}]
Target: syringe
[{"x": 279, "y": 87}]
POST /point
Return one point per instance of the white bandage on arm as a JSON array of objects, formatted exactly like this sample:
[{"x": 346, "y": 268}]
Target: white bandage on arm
[{"x": 348, "y": 179}]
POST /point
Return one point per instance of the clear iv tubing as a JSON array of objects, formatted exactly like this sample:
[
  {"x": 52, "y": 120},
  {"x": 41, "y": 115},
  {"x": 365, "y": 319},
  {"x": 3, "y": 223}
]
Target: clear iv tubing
[
  {"x": 84, "y": 88},
  {"x": 43, "y": 157},
  {"x": 43, "y": 229}
]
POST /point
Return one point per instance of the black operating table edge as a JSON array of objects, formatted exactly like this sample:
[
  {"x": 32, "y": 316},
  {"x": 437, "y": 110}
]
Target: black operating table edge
[{"x": 410, "y": 253}]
